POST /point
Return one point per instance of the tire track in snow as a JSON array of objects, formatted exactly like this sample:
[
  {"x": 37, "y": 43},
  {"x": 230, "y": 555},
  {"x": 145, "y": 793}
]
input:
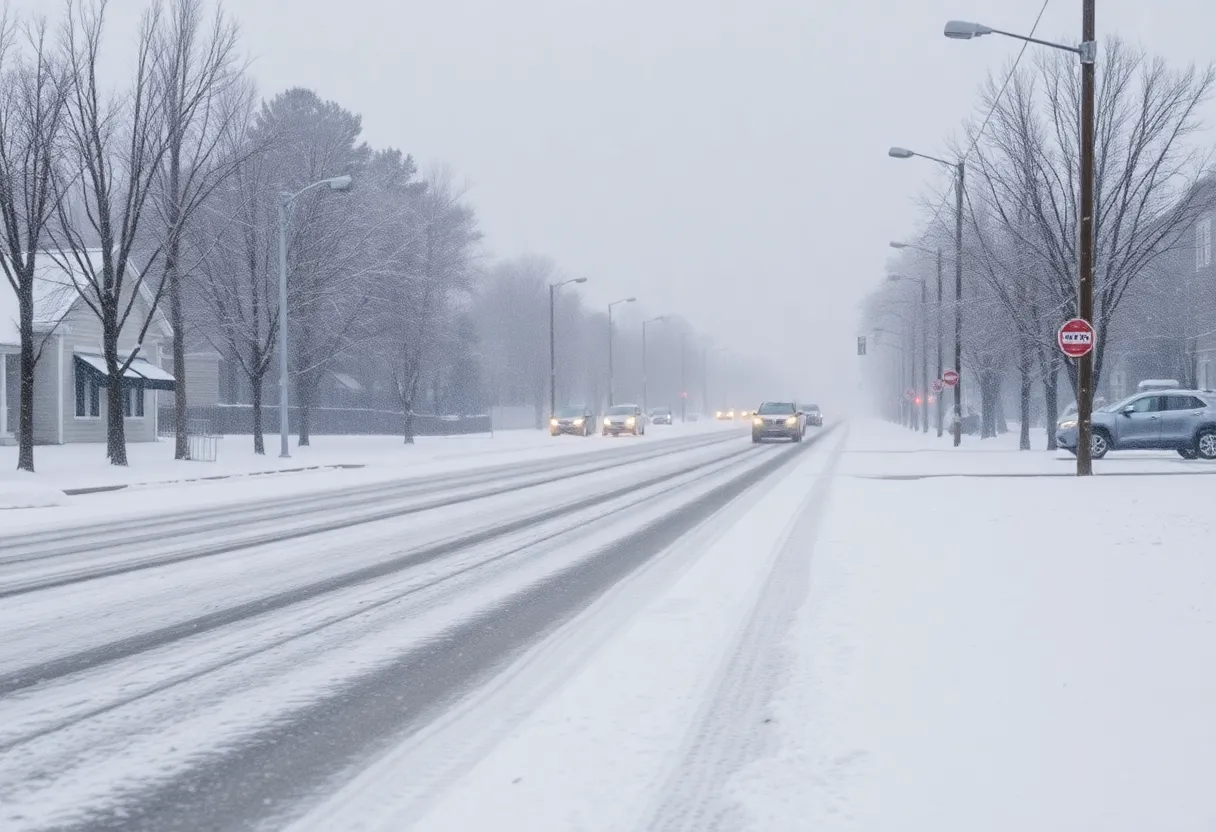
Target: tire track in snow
[
  {"x": 338, "y": 510},
  {"x": 282, "y": 765},
  {"x": 25, "y": 677},
  {"x": 732, "y": 726}
]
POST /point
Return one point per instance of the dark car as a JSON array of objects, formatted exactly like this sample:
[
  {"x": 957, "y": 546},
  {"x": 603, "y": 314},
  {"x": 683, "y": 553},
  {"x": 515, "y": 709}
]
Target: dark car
[
  {"x": 813, "y": 415},
  {"x": 579, "y": 421},
  {"x": 778, "y": 420},
  {"x": 660, "y": 416}
]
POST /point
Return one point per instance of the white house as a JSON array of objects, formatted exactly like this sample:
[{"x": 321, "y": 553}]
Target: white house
[{"x": 70, "y": 372}]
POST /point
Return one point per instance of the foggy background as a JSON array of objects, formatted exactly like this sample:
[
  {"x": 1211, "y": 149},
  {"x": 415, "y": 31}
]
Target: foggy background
[{"x": 723, "y": 160}]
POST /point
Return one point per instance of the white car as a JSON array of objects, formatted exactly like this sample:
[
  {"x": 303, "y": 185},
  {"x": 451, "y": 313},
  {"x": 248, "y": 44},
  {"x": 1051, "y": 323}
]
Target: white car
[{"x": 624, "y": 418}]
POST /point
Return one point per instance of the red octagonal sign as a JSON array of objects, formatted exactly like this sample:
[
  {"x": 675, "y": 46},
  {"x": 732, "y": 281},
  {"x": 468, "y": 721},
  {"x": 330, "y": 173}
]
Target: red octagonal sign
[
  {"x": 1076, "y": 337},
  {"x": 950, "y": 378}
]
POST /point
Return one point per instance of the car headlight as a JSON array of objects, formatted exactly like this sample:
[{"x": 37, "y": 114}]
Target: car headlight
[
  {"x": 552, "y": 423},
  {"x": 629, "y": 421},
  {"x": 718, "y": 413},
  {"x": 607, "y": 422},
  {"x": 758, "y": 422},
  {"x": 578, "y": 423},
  {"x": 793, "y": 420},
  {"x": 1068, "y": 423}
]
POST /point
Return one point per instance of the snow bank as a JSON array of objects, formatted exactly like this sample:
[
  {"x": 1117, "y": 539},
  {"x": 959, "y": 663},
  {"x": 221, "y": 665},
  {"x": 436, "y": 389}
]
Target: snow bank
[{"x": 23, "y": 494}]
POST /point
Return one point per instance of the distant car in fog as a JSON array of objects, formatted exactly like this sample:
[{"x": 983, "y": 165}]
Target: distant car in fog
[
  {"x": 778, "y": 420},
  {"x": 813, "y": 416},
  {"x": 660, "y": 416},
  {"x": 724, "y": 415},
  {"x": 624, "y": 418}
]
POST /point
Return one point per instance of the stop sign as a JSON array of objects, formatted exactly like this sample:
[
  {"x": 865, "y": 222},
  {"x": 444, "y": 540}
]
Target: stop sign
[
  {"x": 1076, "y": 337},
  {"x": 950, "y": 378}
]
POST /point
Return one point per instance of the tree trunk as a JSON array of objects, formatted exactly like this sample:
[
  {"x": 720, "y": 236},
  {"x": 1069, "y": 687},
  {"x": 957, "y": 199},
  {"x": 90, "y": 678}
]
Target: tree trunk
[
  {"x": 25, "y": 401},
  {"x": 116, "y": 435},
  {"x": 259, "y": 441},
  {"x": 181, "y": 448},
  {"x": 1051, "y": 403},
  {"x": 407, "y": 422},
  {"x": 1024, "y": 388},
  {"x": 1002, "y": 425},
  {"x": 988, "y": 391},
  {"x": 304, "y": 397}
]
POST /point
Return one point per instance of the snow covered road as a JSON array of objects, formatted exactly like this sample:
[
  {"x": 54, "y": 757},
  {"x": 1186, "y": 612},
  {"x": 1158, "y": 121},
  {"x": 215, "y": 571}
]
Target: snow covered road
[{"x": 229, "y": 668}]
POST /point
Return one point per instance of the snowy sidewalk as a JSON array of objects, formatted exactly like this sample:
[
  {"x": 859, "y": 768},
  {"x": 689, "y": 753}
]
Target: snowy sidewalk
[
  {"x": 79, "y": 469},
  {"x": 998, "y": 652}
]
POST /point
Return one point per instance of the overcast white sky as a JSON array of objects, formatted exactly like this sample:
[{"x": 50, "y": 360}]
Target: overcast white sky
[{"x": 721, "y": 159}]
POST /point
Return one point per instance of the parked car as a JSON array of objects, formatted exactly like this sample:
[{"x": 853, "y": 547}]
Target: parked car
[
  {"x": 1176, "y": 420},
  {"x": 779, "y": 420},
  {"x": 624, "y": 418},
  {"x": 813, "y": 415},
  {"x": 660, "y": 416},
  {"x": 579, "y": 421}
]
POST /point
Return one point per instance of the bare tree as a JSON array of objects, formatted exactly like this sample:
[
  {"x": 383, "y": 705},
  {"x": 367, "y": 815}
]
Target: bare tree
[
  {"x": 205, "y": 96},
  {"x": 1145, "y": 177},
  {"x": 31, "y": 114},
  {"x": 114, "y": 148},
  {"x": 415, "y": 305},
  {"x": 236, "y": 293}
]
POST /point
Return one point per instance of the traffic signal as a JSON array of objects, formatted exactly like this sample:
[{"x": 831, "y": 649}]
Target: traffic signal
[{"x": 861, "y": 345}]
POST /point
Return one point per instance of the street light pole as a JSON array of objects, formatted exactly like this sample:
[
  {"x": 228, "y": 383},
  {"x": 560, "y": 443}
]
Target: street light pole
[
  {"x": 553, "y": 287},
  {"x": 286, "y": 201},
  {"x": 1087, "y": 51},
  {"x": 958, "y": 302},
  {"x": 611, "y": 374},
  {"x": 960, "y": 171},
  {"x": 939, "y": 340},
  {"x": 683, "y": 389}
]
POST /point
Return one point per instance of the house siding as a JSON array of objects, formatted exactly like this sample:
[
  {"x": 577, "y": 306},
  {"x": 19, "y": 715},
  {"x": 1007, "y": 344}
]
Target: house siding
[
  {"x": 46, "y": 394},
  {"x": 202, "y": 377},
  {"x": 81, "y": 331}
]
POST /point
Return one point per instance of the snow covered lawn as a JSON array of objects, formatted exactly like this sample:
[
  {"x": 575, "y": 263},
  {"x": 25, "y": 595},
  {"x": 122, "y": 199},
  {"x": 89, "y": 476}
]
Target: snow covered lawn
[
  {"x": 152, "y": 463},
  {"x": 1003, "y": 653}
]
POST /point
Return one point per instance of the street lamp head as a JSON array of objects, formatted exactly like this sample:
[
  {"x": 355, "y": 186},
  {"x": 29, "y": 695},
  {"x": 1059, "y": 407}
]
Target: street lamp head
[
  {"x": 894, "y": 244},
  {"x": 963, "y": 30},
  {"x": 900, "y": 153},
  {"x": 630, "y": 300},
  {"x": 579, "y": 280},
  {"x": 339, "y": 183}
]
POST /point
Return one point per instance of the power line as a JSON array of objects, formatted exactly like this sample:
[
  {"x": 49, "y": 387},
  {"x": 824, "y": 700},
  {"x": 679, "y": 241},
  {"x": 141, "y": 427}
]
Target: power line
[{"x": 992, "y": 110}]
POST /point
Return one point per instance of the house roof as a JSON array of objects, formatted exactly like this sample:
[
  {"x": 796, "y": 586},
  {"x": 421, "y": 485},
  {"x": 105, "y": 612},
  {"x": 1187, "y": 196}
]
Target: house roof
[{"x": 55, "y": 294}]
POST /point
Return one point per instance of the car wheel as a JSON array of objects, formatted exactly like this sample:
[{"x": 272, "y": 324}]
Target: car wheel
[
  {"x": 605, "y": 433},
  {"x": 1188, "y": 453},
  {"x": 1099, "y": 444},
  {"x": 755, "y": 439},
  {"x": 1205, "y": 443}
]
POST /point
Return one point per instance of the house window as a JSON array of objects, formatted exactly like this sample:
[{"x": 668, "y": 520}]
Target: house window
[
  {"x": 133, "y": 402},
  {"x": 1203, "y": 243},
  {"x": 88, "y": 395}
]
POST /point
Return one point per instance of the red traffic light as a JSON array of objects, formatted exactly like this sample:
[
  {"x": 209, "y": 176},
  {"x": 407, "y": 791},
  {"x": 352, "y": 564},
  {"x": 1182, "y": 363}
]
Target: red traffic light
[
  {"x": 684, "y": 394},
  {"x": 918, "y": 399}
]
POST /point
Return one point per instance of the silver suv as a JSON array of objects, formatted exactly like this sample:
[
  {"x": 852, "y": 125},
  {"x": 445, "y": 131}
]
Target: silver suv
[{"x": 1176, "y": 420}]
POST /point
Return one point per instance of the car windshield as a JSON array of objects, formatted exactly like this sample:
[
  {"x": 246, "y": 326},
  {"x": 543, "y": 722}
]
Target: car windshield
[
  {"x": 621, "y": 410},
  {"x": 569, "y": 412},
  {"x": 776, "y": 408},
  {"x": 814, "y": 408}
]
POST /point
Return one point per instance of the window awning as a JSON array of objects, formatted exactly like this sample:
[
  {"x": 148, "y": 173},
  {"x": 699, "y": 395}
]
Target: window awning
[{"x": 141, "y": 373}]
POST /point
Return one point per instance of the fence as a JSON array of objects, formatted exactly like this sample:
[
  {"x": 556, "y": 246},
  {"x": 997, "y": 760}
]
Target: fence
[
  {"x": 227, "y": 419},
  {"x": 201, "y": 444}
]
